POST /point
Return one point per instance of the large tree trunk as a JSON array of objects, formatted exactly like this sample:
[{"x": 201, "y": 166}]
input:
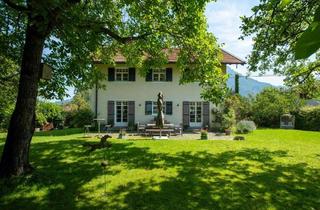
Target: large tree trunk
[{"x": 15, "y": 156}]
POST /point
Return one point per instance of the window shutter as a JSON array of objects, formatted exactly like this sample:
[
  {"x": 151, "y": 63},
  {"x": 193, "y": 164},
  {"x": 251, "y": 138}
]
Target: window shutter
[
  {"x": 185, "y": 114},
  {"x": 131, "y": 112},
  {"x": 132, "y": 74},
  {"x": 110, "y": 74},
  {"x": 169, "y": 74},
  {"x": 206, "y": 114},
  {"x": 111, "y": 112},
  {"x": 149, "y": 76},
  {"x": 168, "y": 107},
  {"x": 148, "y": 108}
]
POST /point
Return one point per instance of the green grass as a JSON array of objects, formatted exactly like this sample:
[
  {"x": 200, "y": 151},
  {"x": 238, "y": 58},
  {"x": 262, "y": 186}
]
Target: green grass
[{"x": 271, "y": 169}]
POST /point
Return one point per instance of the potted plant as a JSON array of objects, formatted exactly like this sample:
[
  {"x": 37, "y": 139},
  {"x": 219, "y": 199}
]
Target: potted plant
[
  {"x": 204, "y": 134},
  {"x": 228, "y": 121}
]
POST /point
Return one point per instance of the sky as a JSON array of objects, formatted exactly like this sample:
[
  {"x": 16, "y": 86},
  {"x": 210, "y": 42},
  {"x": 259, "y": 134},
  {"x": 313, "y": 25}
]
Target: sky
[{"x": 224, "y": 21}]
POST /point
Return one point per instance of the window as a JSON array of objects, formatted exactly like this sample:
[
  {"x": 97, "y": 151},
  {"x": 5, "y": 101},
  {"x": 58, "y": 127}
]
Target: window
[
  {"x": 159, "y": 75},
  {"x": 152, "y": 108},
  {"x": 121, "y": 74},
  {"x": 195, "y": 112},
  {"x": 121, "y": 112}
]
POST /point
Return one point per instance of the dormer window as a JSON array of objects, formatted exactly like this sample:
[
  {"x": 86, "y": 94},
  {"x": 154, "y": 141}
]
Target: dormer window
[{"x": 122, "y": 74}]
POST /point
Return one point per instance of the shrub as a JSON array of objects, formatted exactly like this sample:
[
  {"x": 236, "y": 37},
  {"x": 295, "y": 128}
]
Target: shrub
[
  {"x": 228, "y": 119},
  {"x": 79, "y": 118},
  {"x": 245, "y": 126},
  {"x": 204, "y": 135},
  {"x": 48, "y": 112},
  {"x": 271, "y": 103},
  {"x": 308, "y": 118}
]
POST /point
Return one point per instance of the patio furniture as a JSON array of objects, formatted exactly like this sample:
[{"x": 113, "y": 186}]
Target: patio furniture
[
  {"x": 141, "y": 128},
  {"x": 99, "y": 122},
  {"x": 107, "y": 128}
]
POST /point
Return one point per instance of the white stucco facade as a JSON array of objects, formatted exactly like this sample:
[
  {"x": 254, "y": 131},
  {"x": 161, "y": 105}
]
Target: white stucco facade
[{"x": 141, "y": 91}]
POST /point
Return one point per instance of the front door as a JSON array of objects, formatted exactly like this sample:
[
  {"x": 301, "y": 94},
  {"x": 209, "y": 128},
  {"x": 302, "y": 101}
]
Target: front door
[
  {"x": 121, "y": 119},
  {"x": 195, "y": 111}
]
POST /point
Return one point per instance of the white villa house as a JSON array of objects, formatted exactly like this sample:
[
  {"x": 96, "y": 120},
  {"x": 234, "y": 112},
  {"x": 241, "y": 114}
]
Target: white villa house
[{"x": 129, "y": 99}]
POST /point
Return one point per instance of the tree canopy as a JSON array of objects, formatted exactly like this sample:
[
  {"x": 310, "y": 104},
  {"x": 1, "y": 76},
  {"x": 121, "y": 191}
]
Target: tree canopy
[
  {"x": 89, "y": 30},
  {"x": 285, "y": 34}
]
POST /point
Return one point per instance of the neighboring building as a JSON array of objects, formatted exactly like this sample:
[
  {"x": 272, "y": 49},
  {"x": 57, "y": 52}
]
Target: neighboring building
[{"x": 130, "y": 98}]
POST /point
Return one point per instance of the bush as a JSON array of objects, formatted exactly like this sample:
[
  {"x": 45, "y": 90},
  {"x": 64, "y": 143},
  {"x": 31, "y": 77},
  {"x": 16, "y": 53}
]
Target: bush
[
  {"x": 228, "y": 119},
  {"x": 204, "y": 135},
  {"x": 245, "y": 126},
  {"x": 48, "y": 112},
  {"x": 271, "y": 103},
  {"x": 79, "y": 118},
  {"x": 308, "y": 118}
]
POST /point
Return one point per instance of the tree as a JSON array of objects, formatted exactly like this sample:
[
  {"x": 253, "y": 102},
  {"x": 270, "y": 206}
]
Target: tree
[
  {"x": 271, "y": 103},
  {"x": 285, "y": 34},
  {"x": 76, "y": 32}
]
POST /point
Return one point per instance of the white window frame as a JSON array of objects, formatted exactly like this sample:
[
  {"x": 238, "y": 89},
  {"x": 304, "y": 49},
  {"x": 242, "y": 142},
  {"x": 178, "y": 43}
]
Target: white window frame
[
  {"x": 123, "y": 72},
  {"x": 196, "y": 108},
  {"x": 123, "y": 119},
  {"x": 159, "y": 75}
]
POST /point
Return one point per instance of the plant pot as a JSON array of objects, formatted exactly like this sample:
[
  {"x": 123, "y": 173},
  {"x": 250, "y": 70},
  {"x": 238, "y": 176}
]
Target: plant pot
[{"x": 228, "y": 132}]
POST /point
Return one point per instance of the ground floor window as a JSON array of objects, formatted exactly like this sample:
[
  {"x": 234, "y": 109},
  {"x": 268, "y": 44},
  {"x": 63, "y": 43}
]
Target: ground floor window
[
  {"x": 121, "y": 112},
  {"x": 195, "y": 111},
  {"x": 152, "y": 108}
]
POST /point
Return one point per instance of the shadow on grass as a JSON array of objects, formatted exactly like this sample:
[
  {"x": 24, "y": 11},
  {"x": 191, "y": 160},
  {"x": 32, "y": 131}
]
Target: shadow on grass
[{"x": 243, "y": 179}]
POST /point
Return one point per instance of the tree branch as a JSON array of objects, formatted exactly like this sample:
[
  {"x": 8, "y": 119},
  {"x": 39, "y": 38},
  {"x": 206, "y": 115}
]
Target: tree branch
[
  {"x": 123, "y": 40},
  {"x": 15, "y": 6}
]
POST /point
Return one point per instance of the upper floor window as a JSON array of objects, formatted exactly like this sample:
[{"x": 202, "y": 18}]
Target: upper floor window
[
  {"x": 122, "y": 74},
  {"x": 159, "y": 75}
]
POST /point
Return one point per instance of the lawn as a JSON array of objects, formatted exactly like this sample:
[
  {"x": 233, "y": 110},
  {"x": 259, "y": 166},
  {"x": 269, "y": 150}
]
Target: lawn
[{"x": 271, "y": 169}]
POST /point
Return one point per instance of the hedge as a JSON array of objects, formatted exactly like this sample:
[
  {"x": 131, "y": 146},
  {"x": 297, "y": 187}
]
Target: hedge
[{"x": 308, "y": 118}]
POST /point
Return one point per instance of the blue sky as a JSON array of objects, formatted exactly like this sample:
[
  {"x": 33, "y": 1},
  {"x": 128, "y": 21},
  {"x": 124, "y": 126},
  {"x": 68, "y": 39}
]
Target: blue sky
[{"x": 224, "y": 21}]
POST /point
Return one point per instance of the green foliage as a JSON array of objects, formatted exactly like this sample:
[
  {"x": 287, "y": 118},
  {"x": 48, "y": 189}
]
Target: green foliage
[
  {"x": 308, "y": 118},
  {"x": 271, "y": 103},
  {"x": 309, "y": 42},
  {"x": 245, "y": 126},
  {"x": 79, "y": 112},
  {"x": 282, "y": 31},
  {"x": 86, "y": 31},
  {"x": 79, "y": 118},
  {"x": 241, "y": 105},
  {"x": 204, "y": 135},
  {"x": 48, "y": 112},
  {"x": 228, "y": 119}
]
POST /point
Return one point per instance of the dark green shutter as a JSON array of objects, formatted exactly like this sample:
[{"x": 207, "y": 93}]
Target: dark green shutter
[
  {"x": 168, "y": 107},
  {"x": 185, "y": 114},
  {"x": 131, "y": 112},
  {"x": 148, "y": 108},
  {"x": 206, "y": 114},
  {"x": 169, "y": 74},
  {"x": 149, "y": 76},
  {"x": 111, "y": 112},
  {"x": 132, "y": 74},
  {"x": 111, "y": 74}
]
